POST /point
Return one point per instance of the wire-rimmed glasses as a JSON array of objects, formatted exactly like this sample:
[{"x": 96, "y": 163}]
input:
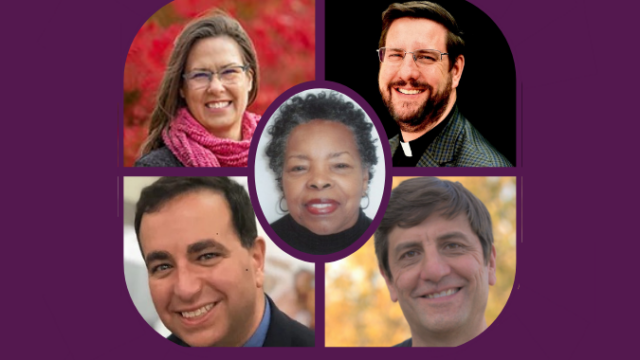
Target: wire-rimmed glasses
[
  {"x": 199, "y": 79},
  {"x": 422, "y": 57}
]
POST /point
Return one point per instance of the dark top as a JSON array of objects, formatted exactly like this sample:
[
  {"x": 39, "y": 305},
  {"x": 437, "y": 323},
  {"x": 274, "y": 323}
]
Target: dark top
[
  {"x": 283, "y": 331},
  {"x": 300, "y": 238},
  {"x": 161, "y": 157},
  {"x": 406, "y": 343},
  {"x": 458, "y": 144},
  {"x": 419, "y": 145}
]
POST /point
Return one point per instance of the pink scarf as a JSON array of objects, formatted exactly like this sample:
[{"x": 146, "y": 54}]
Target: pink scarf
[{"x": 194, "y": 146}]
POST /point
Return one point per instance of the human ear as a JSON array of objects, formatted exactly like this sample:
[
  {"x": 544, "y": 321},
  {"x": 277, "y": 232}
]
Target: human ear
[
  {"x": 390, "y": 286},
  {"x": 258, "y": 257},
  {"x": 492, "y": 267},
  {"x": 250, "y": 75},
  {"x": 456, "y": 71},
  {"x": 365, "y": 182}
]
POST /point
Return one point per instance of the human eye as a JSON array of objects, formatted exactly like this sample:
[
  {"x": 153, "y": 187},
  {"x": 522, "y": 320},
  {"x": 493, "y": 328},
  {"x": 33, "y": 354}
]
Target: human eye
[
  {"x": 453, "y": 246},
  {"x": 427, "y": 56},
  {"x": 409, "y": 254},
  {"x": 297, "y": 168},
  {"x": 198, "y": 75},
  {"x": 208, "y": 256},
  {"x": 395, "y": 54},
  {"x": 342, "y": 166},
  {"x": 231, "y": 71},
  {"x": 160, "y": 268}
]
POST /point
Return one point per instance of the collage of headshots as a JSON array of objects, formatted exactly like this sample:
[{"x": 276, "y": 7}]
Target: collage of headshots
[{"x": 322, "y": 211}]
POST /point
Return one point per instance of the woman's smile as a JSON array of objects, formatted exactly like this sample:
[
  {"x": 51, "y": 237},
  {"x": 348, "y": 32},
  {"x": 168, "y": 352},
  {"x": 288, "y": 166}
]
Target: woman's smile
[{"x": 321, "y": 206}]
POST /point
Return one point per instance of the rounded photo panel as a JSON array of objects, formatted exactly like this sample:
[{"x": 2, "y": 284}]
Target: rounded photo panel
[{"x": 320, "y": 172}]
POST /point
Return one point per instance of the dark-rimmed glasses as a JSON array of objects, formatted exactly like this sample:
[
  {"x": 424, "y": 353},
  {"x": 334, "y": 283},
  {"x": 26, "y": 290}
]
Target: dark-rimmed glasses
[{"x": 199, "y": 79}]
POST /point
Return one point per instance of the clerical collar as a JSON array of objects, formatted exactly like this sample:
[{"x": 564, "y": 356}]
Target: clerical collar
[
  {"x": 410, "y": 152},
  {"x": 258, "y": 337}
]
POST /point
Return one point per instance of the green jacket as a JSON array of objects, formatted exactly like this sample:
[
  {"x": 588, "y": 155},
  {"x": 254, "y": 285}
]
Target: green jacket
[{"x": 459, "y": 144}]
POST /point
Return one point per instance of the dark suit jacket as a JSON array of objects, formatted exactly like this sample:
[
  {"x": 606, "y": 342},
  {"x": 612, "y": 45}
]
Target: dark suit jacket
[
  {"x": 283, "y": 331},
  {"x": 406, "y": 343},
  {"x": 459, "y": 144}
]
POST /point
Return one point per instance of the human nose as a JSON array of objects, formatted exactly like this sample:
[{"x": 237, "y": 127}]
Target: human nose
[
  {"x": 435, "y": 267},
  {"x": 409, "y": 68},
  {"x": 319, "y": 179},
  {"x": 215, "y": 84},
  {"x": 188, "y": 284}
]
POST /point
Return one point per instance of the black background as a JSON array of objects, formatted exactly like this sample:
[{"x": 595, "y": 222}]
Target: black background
[{"x": 487, "y": 90}]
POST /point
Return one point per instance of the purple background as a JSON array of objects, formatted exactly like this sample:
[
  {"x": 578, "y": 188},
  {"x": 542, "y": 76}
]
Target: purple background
[{"x": 575, "y": 292}]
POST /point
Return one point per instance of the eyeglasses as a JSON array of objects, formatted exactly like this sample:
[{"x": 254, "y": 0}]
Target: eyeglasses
[
  {"x": 199, "y": 79},
  {"x": 422, "y": 57}
]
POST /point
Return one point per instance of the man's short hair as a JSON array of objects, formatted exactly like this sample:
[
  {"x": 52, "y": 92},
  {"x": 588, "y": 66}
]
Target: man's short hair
[
  {"x": 158, "y": 194},
  {"x": 430, "y": 11},
  {"x": 416, "y": 199}
]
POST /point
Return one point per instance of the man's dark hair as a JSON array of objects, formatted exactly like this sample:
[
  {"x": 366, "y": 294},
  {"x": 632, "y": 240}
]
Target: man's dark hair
[
  {"x": 430, "y": 11},
  {"x": 329, "y": 106},
  {"x": 416, "y": 199},
  {"x": 158, "y": 194}
]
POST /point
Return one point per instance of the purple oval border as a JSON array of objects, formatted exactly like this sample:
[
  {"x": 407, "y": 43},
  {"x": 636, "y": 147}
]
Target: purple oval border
[{"x": 320, "y": 84}]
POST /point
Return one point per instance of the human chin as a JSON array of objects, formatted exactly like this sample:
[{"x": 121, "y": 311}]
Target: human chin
[
  {"x": 319, "y": 224},
  {"x": 218, "y": 121},
  {"x": 202, "y": 330},
  {"x": 405, "y": 113},
  {"x": 445, "y": 313},
  {"x": 324, "y": 216}
]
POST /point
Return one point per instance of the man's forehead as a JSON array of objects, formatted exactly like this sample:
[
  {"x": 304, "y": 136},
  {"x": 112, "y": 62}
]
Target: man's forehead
[
  {"x": 187, "y": 219},
  {"x": 434, "y": 227},
  {"x": 416, "y": 33}
]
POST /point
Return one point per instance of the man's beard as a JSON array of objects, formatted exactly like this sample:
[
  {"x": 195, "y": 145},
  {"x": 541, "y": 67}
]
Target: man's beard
[{"x": 427, "y": 114}]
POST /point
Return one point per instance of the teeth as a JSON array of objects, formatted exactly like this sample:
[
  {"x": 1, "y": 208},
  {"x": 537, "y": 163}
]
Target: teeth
[
  {"x": 409, "y": 92},
  {"x": 320, "y": 206},
  {"x": 441, "y": 294},
  {"x": 203, "y": 310},
  {"x": 218, "y": 105}
]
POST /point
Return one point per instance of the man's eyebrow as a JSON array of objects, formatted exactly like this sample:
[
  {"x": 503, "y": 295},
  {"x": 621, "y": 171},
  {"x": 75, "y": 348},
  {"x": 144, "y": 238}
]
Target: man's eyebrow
[
  {"x": 452, "y": 235},
  {"x": 198, "y": 246},
  {"x": 157, "y": 256}
]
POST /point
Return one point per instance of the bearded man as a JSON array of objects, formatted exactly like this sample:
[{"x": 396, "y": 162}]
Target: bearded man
[{"x": 419, "y": 90}]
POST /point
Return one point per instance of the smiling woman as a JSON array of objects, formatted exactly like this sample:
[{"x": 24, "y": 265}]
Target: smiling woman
[
  {"x": 200, "y": 119},
  {"x": 323, "y": 154}
]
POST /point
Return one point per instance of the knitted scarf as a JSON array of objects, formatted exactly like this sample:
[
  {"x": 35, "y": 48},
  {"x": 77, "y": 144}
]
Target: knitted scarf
[{"x": 194, "y": 146}]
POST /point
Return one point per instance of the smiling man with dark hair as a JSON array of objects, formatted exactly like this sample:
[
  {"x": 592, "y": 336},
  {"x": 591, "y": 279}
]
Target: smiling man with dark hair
[
  {"x": 435, "y": 251},
  {"x": 205, "y": 262},
  {"x": 421, "y": 54}
]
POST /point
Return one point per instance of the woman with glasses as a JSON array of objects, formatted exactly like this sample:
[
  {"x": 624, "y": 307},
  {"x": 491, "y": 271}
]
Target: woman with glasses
[
  {"x": 322, "y": 153},
  {"x": 200, "y": 118}
]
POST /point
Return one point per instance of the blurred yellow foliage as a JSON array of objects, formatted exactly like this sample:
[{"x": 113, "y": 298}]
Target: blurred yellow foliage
[{"x": 359, "y": 311}]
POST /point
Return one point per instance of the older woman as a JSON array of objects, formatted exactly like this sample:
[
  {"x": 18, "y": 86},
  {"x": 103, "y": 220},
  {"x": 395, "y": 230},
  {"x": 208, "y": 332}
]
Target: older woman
[
  {"x": 200, "y": 118},
  {"x": 323, "y": 154}
]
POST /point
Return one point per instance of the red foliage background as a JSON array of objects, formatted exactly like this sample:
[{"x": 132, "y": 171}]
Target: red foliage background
[{"x": 283, "y": 32}]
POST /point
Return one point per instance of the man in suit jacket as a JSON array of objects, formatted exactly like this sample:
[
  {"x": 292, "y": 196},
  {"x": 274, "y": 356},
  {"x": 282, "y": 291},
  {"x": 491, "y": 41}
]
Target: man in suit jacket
[
  {"x": 205, "y": 262},
  {"x": 421, "y": 63}
]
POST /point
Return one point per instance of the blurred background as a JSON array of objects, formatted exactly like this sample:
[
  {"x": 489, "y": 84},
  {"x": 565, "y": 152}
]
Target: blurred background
[
  {"x": 359, "y": 310},
  {"x": 288, "y": 281},
  {"x": 282, "y": 31}
]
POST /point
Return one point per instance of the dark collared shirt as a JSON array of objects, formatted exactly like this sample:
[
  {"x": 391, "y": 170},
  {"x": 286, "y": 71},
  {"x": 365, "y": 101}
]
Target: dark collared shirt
[{"x": 419, "y": 145}]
